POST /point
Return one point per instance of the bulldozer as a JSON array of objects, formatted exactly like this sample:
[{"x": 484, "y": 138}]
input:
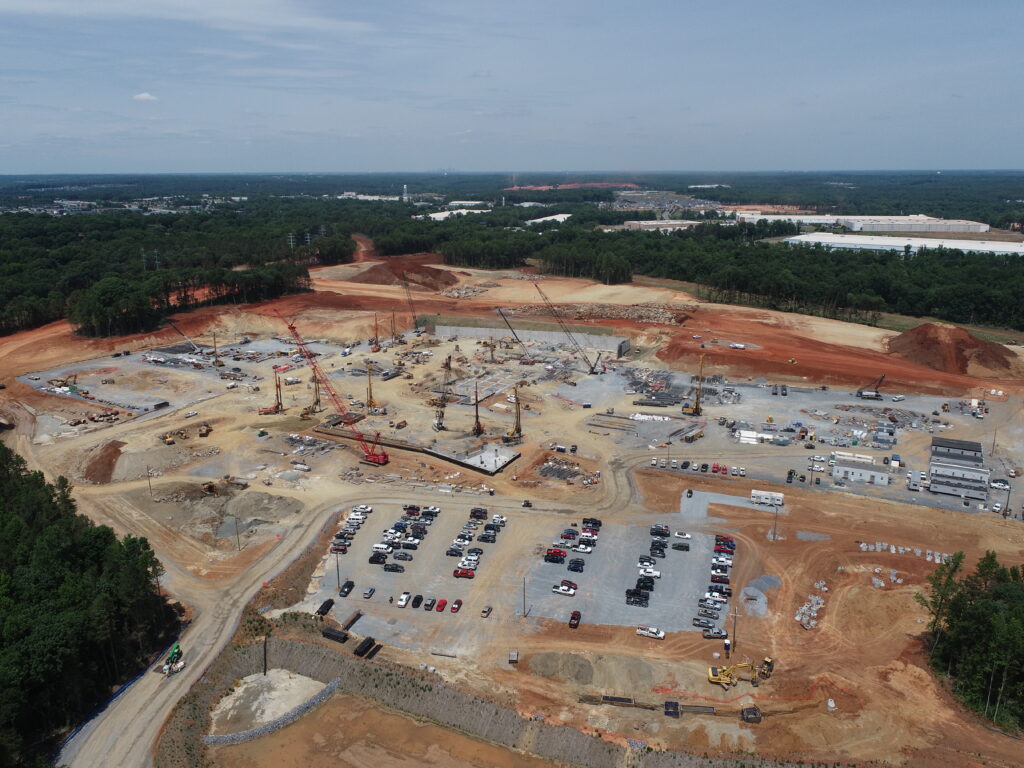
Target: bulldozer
[
  {"x": 210, "y": 489},
  {"x": 728, "y": 677}
]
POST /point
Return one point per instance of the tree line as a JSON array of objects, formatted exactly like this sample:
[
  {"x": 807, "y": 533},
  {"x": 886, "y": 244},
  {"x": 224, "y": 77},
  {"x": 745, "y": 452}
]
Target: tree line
[
  {"x": 976, "y": 635},
  {"x": 80, "y": 611}
]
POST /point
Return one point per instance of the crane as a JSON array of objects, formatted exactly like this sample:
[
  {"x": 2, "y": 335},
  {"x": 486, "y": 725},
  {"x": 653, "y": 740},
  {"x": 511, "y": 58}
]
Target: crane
[
  {"x": 372, "y": 452},
  {"x": 695, "y": 409},
  {"x": 527, "y": 358},
  {"x": 478, "y": 428},
  {"x": 872, "y": 392},
  {"x": 591, "y": 366},
  {"x": 516, "y": 433},
  {"x": 278, "y": 406},
  {"x": 408, "y": 298},
  {"x": 195, "y": 347},
  {"x": 443, "y": 400}
]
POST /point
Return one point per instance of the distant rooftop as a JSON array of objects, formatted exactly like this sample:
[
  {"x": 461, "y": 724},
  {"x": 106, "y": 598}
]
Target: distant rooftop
[{"x": 883, "y": 243}]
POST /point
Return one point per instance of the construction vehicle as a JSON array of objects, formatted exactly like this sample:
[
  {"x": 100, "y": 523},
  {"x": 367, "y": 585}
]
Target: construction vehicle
[
  {"x": 372, "y": 453},
  {"x": 195, "y": 347},
  {"x": 278, "y": 406},
  {"x": 408, "y": 298},
  {"x": 478, "y": 428},
  {"x": 173, "y": 663},
  {"x": 515, "y": 435},
  {"x": 750, "y": 715},
  {"x": 527, "y": 359},
  {"x": 217, "y": 362},
  {"x": 375, "y": 345},
  {"x": 210, "y": 489},
  {"x": 66, "y": 381},
  {"x": 314, "y": 407},
  {"x": 370, "y": 402},
  {"x": 167, "y": 438},
  {"x": 442, "y": 403},
  {"x": 728, "y": 677},
  {"x": 872, "y": 392},
  {"x": 591, "y": 366},
  {"x": 695, "y": 409},
  {"x": 791, "y": 361}
]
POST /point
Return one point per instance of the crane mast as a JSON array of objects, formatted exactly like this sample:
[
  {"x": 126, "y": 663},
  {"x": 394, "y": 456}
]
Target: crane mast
[
  {"x": 527, "y": 359},
  {"x": 372, "y": 452}
]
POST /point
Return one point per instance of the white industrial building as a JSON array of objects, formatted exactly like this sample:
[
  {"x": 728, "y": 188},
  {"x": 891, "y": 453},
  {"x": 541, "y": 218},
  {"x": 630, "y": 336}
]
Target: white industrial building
[
  {"x": 557, "y": 218},
  {"x": 442, "y": 215},
  {"x": 914, "y": 223},
  {"x": 859, "y": 473},
  {"x": 884, "y": 243},
  {"x": 661, "y": 225}
]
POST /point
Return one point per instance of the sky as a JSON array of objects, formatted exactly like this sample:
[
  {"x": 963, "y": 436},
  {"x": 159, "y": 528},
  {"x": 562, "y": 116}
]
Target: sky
[{"x": 135, "y": 86}]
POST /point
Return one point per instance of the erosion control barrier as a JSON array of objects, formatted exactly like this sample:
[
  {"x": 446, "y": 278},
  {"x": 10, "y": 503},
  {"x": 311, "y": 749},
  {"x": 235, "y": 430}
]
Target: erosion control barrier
[
  {"x": 181, "y": 744},
  {"x": 286, "y": 719}
]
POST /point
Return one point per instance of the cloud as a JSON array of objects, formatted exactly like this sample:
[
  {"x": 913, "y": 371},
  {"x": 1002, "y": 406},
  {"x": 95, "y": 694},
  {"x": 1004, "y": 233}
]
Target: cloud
[{"x": 145, "y": 96}]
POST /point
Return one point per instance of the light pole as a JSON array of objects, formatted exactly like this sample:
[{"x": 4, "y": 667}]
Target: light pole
[
  {"x": 337, "y": 571},
  {"x": 775, "y": 524}
]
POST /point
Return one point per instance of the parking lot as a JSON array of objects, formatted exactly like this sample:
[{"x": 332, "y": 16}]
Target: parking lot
[{"x": 512, "y": 572}]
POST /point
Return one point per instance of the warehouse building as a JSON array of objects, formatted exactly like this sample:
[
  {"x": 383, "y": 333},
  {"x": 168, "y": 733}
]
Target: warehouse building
[
  {"x": 859, "y": 473},
  {"x": 914, "y": 223},
  {"x": 883, "y": 243},
  {"x": 957, "y": 469}
]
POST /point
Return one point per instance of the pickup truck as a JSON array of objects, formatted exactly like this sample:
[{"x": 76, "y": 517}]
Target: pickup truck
[
  {"x": 715, "y": 634},
  {"x": 703, "y": 623},
  {"x": 652, "y": 632},
  {"x": 561, "y": 589}
]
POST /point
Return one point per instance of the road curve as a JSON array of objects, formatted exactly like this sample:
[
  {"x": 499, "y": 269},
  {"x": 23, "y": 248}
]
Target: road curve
[{"x": 125, "y": 733}]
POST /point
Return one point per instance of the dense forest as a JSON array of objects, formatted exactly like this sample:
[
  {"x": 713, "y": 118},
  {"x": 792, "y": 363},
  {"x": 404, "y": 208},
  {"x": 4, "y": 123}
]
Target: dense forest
[
  {"x": 976, "y": 635},
  {"x": 121, "y": 271},
  {"x": 80, "y": 611}
]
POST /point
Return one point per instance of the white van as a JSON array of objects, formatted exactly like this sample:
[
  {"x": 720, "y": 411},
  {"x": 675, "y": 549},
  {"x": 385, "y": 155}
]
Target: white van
[{"x": 383, "y": 548}]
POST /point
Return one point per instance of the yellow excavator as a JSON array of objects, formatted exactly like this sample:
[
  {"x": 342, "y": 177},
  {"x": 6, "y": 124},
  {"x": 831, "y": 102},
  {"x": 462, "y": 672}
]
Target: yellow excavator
[{"x": 728, "y": 677}]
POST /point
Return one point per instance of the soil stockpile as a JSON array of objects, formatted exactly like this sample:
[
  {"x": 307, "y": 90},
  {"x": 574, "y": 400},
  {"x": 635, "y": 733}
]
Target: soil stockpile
[
  {"x": 101, "y": 465},
  {"x": 951, "y": 349},
  {"x": 418, "y": 275}
]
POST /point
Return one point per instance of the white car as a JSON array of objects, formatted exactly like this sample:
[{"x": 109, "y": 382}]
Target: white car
[
  {"x": 649, "y": 563},
  {"x": 654, "y": 462},
  {"x": 583, "y": 548},
  {"x": 404, "y": 600},
  {"x": 997, "y": 507},
  {"x": 743, "y": 471},
  {"x": 190, "y": 414},
  {"x": 722, "y": 561},
  {"x": 718, "y": 598},
  {"x": 469, "y": 565},
  {"x": 650, "y": 572},
  {"x": 364, "y": 508},
  {"x": 474, "y": 558},
  {"x": 561, "y": 589},
  {"x": 682, "y": 535},
  {"x": 499, "y": 519},
  {"x": 651, "y": 632}
]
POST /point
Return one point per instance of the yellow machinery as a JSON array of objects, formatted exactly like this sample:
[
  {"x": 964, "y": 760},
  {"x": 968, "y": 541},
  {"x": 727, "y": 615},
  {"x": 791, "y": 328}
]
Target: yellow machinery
[
  {"x": 727, "y": 676},
  {"x": 695, "y": 409},
  {"x": 370, "y": 402},
  {"x": 769, "y": 420}
]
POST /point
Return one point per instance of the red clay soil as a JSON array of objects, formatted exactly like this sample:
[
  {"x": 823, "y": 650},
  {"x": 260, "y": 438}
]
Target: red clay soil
[
  {"x": 419, "y": 276},
  {"x": 951, "y": 349},
  {"x": 365, "y": 250},
  {"x": 101, "y": 465}
]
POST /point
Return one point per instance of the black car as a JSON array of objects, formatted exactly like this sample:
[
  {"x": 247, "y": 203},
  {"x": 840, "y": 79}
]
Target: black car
[
  {"x": 637, "y": 601},
  {"x": 576, "y": 567},
  {"x": 417, "y": 601},
  {"x": 346, "y": 588},
  {"x": 686, "y": 464},
  {"x": 453, "y": 553},
  {"x": 409, "y": 545},
  {"x": 394, "y": 568},
  {"x": 400, "y": 526},
  {"x": 657, "y": 552},
  {"x": 402, "y": 556},
  {"x": 478, "y": 513},
  {"x": 377, "y": 558},
  {"x": 411, "y": 508},
  {"x": 486, "y": 538},
  {"x": 554, "y": 559},
  {"x": 703, "y": 467},
  {"x": 474, "y": 551},
  {"x": 591, "y": 522},
  {"x": 491, "y": 527},
  {"x": 681, "y": 546},
  {"x": 577, "y": 561}
]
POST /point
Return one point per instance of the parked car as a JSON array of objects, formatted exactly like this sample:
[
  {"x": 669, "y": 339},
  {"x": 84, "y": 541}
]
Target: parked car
[
  {"x": 368, "y": 592},
  {"x": 429, "y": 604},
  {"x": 463, "y": 573},
  {"x": 417, "y": 601},
  {"x": 456, "y": 606},
  {"x": 570, "y": 584},
  {"x": 486, "y": 611},
  {"x": 394, "y": 568},
  {"x": 339, "y": 549},
  {"x": 583, "y": 548},
  {"x": 719, "y": 579},
  {"x": 403, "y": 599},
  {"x": 453, "y": 553},
  {"x": 681, "y": 546},
  {"x": 576, "y": 567},
  {"x": 402, "y": 556},
  {"x": 682, "y": 535},
  {"x": 703, "y": 623},
  {"x": 377, "y": 558},
  {"x": 557, "y": 551},
  {"x": 707, "y": 613},
  {"x": 652, "y": 632},
  {"x": 561, "y": 589},
  {"x": 650, "y": 572},
  {"x": 574, "y": 619},
  {"x": 363, "y": 508},
  {"x": 441, "y": 605},
  {"x": 346, "y": 588},
  {"x": 714, "y": 633}
]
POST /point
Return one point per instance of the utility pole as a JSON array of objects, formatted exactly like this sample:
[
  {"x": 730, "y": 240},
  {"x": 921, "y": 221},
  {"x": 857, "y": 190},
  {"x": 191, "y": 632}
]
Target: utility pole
[
  {"x": 735, "y": 616},
  {"x": 149, "y": 479},
  {"x": 238, "y": 542},
  {"x": 524, "y": 597}
]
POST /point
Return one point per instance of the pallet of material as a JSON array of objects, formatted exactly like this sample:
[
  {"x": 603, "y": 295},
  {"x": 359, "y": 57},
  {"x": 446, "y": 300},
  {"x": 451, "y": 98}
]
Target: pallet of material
[{"x": 352, "y": 619}]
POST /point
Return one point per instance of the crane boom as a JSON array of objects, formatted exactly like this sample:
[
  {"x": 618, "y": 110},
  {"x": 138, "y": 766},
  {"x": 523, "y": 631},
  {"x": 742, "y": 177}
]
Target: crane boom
[
  {"x": 372, "y": 452},
  {"x": 195, "y": 347},
  {"x": 408, "y": 298},
  {"x": 527, "y": 359},
  {"x": 591, "y": 366}
]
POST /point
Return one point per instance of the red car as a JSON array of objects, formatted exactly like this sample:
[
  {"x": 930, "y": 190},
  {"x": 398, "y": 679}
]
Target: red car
[
  {"x": 714, "y": 467},
  {"x": 339, "y": 549},
  {"x": 723, "y": 550},
  {"x": 556, "y": 551},
  {"x": 456, "y": 605},
  {"x": 574, "y": 619},
  {"x": 716, "y": 579},
  {"x": 570, "y": 584},
  {"x": 441, "y": 605},
  {"x": 462, "y": 573}
]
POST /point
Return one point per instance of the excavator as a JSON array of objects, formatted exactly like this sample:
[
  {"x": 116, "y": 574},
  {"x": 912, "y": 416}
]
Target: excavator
[{"x": 728, "y": 677}]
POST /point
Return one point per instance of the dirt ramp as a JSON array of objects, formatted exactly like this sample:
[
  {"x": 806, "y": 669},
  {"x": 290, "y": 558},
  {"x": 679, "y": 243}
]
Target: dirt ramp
[
  {"x": 418, "y": 275},
  {"x": 951, "y": 349},
  {"x": 431, "y": 278},
  {"x": 376, "y": 274}
]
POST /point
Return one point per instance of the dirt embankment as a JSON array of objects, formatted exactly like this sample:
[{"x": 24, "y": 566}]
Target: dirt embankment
[
  {"x": 951, "y": 349},
  {"x": 418, "y": 276},
  {"x": 101, "y": 465}
]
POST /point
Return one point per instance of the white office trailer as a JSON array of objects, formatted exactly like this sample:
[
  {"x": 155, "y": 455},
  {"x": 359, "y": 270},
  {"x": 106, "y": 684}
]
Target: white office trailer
[{"x": 767, "y": 497}]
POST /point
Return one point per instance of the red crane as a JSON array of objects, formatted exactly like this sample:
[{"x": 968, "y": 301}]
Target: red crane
[{"x": 372, "y": 452}]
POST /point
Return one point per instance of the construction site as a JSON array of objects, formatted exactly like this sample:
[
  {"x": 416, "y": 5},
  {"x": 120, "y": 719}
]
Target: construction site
[{"x": 243, "y": 443}]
